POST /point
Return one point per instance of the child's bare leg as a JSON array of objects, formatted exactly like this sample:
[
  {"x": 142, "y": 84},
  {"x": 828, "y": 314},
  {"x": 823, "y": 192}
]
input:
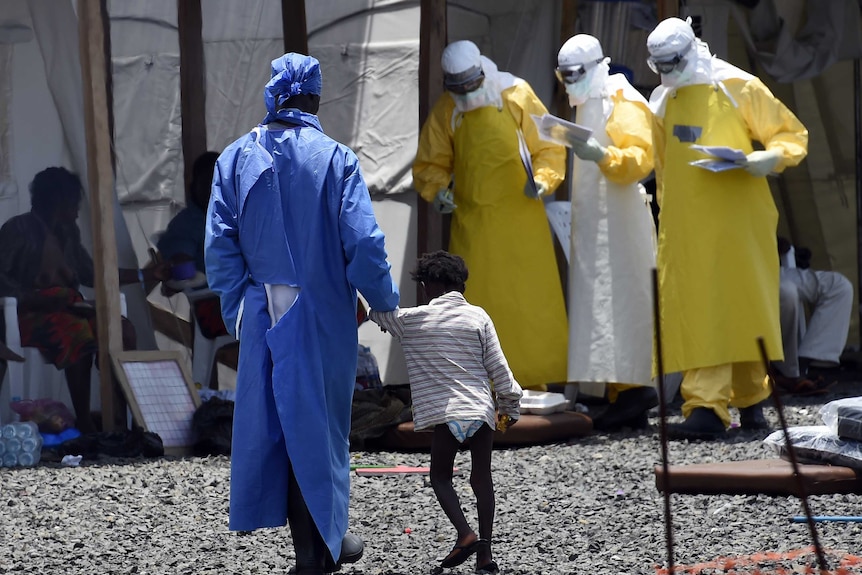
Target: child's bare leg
[
  {"x": 444, "y": 446},
  {"x": 481, "y": 445}
]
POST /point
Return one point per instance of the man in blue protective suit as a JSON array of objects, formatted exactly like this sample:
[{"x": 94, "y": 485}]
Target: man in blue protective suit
[{"x": 291, "y": 236}]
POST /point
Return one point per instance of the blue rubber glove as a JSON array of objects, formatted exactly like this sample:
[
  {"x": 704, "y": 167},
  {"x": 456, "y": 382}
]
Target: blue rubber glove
[
  {"x": 761, "y": 162},
  {"x": 591, "y": 150},
  {"x": 443, "y": 202}
]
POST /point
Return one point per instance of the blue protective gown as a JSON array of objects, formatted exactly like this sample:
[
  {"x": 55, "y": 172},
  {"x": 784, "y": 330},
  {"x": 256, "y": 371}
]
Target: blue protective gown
[{"x": 289, "y": 206}]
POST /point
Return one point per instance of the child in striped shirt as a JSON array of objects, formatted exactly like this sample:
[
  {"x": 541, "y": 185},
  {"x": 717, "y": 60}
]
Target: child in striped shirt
[{"x": 461, "y": 388}]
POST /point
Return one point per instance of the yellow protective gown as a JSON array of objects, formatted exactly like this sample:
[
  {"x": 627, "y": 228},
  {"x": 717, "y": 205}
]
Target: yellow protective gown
[
  {"x": 503, "y": 236},
  {"x": 717, "y": 255}
]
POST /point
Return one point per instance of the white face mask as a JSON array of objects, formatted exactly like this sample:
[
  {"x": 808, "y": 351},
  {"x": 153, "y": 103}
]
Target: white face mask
[
  {"x": 578, "y": 92},
  {"x": 678, "y": 77},
  {"x": 478, "y": 98},
  {"x": 591, "y": 85}
]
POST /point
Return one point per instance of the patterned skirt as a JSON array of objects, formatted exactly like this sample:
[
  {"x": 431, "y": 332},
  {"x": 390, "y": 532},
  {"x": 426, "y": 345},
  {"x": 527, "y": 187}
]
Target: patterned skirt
[
  {"x": 63, "y": 338},
  {"x": 208, "y": 315}
]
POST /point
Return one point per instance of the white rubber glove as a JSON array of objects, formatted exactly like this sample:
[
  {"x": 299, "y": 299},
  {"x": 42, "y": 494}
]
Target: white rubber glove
[
  {"x": 443, "y": 202},
  {"x": 541, "y": 190},
  {"x": 761, "y": 162},
  {"x": 591, "y": 150}
]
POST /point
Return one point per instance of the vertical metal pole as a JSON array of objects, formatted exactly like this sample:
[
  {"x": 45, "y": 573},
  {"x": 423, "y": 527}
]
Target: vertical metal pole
[
  {"x": 662, "y": 431},
  {"x": 857, "y": 117}
]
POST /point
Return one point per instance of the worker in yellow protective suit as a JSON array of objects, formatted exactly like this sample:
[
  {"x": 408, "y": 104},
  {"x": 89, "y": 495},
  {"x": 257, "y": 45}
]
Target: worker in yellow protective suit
[
  {"x": 717, "y": 254},
  {"x": 469, "y": 164},
  {"x": 612, "y": 247}
]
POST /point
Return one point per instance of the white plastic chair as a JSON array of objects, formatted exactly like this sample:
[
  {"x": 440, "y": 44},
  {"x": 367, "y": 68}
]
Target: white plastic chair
[
  {"x": 204, "y": 349},
  {"x": 24, "y": 378},
  {"x": 14, "y": 369}
]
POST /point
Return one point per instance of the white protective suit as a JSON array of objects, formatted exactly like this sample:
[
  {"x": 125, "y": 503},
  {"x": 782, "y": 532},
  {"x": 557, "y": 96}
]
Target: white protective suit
[{"x": 613, "y": 235}]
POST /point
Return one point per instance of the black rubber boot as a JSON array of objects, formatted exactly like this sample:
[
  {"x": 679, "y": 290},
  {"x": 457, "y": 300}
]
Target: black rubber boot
[
  {"x": 308, "y": 545},
  {"x": 752, "y": 417},
  {"x": 702, "y": 423},
  {"x": 629, "y": 410},
  {"x": 352, "y": 548}
]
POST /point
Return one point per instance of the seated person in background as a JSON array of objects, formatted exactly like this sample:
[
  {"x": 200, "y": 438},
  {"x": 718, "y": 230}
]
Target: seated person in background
[
  {"x": 42, "y": 264},
  {"x": 829, "y": 296},
  {"x": 183, "y": 241}
]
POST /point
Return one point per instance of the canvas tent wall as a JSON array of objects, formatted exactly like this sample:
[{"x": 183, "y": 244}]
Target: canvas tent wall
[
  {"x": 370, "y": 56},
  {"x": 369, "y": 53}
]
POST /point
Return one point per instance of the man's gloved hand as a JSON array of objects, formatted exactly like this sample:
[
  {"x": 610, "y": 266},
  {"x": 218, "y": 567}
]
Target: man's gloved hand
[
  {"x": 591, "y": 150},
  {"x": 443, "y": 202},
  {"x": 540, "y": 189},
  {"x": 761, "y": 162}
]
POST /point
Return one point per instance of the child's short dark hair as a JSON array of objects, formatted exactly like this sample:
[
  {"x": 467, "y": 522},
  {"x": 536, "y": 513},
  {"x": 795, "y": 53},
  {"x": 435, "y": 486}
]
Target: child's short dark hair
[{"x": 440, "y": 267}]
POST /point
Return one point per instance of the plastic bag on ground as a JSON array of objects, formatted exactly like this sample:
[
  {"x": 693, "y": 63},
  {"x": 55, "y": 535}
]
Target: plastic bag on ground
[
  {"x": 817, "y": 444},
  {"x": 844, "y": 417}
]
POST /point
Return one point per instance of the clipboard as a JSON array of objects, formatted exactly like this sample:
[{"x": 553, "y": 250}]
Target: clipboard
[{"x": 527, "y": 160}]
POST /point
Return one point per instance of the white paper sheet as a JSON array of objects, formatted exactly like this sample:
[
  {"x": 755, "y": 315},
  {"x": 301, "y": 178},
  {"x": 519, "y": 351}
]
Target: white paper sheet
[
  {"x": 559, "y": 131},
  {"x": 721, "y": 158}
]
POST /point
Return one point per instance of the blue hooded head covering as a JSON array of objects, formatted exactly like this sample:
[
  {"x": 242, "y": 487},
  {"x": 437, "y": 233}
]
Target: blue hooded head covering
[{"x": 291, "y": 75}]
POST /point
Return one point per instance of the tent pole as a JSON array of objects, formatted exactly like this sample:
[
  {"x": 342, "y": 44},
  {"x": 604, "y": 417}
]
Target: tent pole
[
  {"x": 192, "y": 85},
  {"x": 294, "y": 26},
  {"x": 667, "y": 9},
  {"x": 92, "y": 19},
  {"x": 568, "y": 20},
  {"x": 857, "y": 116},
  {"x": 432, "y": 41}
]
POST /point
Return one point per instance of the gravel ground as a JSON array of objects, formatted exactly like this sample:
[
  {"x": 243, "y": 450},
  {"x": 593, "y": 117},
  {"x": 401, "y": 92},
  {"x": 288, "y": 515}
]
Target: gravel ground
[{"x": 587, "y": 507}]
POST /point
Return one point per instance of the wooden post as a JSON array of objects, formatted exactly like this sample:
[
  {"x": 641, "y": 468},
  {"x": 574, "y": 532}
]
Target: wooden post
[
  {"x": 192, "y": 86},
  {"x": 667, "y": 9},
  {"x": 568, "y": 18},
  {"x": 92, "y": 18},
  {"x": 432, "y": 41},
  {"x": 294, "y": 26}
]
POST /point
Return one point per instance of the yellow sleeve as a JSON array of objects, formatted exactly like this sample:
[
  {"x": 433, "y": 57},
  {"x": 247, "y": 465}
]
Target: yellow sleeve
[
  {"x": 770, "y": 122},
  {"x": 630, "y": 158},
  {"x": 549, "y": 159},
  {"x": 435, "y": 156},
  {"x": 658, "y": 145}
]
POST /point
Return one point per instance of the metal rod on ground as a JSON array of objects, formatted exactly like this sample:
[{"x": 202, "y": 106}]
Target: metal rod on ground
[
  {"x": 791, "y": 453},
  {"x": 662, "y": 410},
  {"x": 828, "y": 518},
  {"x": 857, "y": 140}
]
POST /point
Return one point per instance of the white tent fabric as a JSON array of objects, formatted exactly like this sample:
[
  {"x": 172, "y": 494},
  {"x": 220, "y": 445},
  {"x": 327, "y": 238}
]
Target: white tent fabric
[
  {"x": 8, "y": 187},
  {"x": 799, "y": 40},
  {"x": 59, "y": 46},
  {"x": 369, "y": 54},
  {"x": 369, "y": 51}
]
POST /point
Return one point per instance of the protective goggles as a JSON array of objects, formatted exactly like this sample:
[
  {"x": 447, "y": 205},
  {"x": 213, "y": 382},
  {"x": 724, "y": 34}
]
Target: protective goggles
[
  {"x": 464, "y": 82},
  {"x": 665, "y": 65},
  {"x": 572, "y": 74}
]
